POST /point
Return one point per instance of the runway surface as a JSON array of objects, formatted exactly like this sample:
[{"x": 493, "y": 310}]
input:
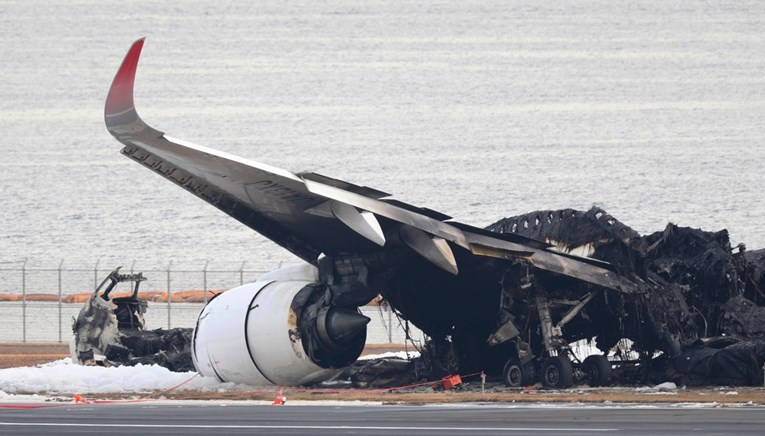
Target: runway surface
[{"x": 198, "y": 418}]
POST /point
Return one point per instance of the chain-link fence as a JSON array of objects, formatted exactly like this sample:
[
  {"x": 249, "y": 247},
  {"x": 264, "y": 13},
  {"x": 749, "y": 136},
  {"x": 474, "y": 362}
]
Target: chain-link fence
[{"x": 36, "y": 303}]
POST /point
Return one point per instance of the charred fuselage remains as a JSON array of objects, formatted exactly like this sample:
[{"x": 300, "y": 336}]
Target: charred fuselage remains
[
  {"x": 695, "y": 317},
  {"x": 692, "y": 282},
  {"x": 112, "y": 331}
]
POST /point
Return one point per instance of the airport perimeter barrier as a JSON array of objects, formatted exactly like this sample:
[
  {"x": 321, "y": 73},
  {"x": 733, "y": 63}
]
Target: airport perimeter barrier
[{"x": 40, "y": 304}]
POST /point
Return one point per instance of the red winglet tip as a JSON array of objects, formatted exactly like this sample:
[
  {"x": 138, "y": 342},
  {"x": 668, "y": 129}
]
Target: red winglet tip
[{"x": 120, "y": 96}]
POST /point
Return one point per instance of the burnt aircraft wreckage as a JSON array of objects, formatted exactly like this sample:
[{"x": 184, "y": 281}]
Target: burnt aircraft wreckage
[
  {"x": 508, "y": 299},
  {"x": 111, "y": 330}
]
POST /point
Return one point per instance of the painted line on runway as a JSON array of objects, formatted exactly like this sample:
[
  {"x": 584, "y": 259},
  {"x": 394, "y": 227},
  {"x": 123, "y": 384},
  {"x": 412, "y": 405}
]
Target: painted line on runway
[{"x": 301, "y": 427}]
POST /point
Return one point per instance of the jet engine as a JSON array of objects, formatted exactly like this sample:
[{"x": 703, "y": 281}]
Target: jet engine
[{"x": 280, "y": 330}]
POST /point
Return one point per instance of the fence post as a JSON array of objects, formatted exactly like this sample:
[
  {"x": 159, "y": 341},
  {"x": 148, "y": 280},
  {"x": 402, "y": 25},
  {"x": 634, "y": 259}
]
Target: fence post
[
  {"x": 390, "y": 323},
  {"x": 24, "y": 301},
  {"x": 168, "y": 294},
  {"x": 241, "y": 274},
  {"x": 60, "y": 297},
  {"x": 204, "y": 278}
]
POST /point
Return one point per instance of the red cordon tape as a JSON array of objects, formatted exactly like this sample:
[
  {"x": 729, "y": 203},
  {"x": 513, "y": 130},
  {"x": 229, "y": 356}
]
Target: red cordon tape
[
  {"x": 79, "y": 399},
  {"x": 337, "y": 391}
]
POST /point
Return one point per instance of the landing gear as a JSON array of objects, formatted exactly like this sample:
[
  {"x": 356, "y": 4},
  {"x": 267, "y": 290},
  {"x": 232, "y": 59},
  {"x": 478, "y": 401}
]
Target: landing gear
[
  {"x": 517, "y": 375},
  {"x": 598, "y": 370},
  {"x": 550, "y": 360},
  {"x": 557, "y": 372}
]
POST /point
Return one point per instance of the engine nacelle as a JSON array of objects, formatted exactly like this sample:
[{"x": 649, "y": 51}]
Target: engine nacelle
[{"x": 254, "y": 334}]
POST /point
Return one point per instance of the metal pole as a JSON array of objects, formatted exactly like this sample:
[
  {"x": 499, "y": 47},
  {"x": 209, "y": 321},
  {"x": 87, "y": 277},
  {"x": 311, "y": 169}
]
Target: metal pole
[
  {"x": 132, "y": 267},
  {"x": 390, "y": 324},
  {"x": 168, "y": 294},
  {"x": 60, "y": 320},
  {"x": 241, "y": 274},
  {"x": 24, "y": 301},
  {"x": 204, "y": 275}
]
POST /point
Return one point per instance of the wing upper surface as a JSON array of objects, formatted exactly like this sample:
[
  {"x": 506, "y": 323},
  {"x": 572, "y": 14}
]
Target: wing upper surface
[{"x": 310, "y": 214}]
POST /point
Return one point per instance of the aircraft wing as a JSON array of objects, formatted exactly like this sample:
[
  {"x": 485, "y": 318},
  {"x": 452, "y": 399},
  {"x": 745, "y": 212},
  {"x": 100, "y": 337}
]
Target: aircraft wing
[{"x": 309, "y": 214}]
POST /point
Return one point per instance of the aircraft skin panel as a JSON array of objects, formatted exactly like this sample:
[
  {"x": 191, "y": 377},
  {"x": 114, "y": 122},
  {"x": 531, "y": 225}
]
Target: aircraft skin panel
[{"x": 291, "y": 210}]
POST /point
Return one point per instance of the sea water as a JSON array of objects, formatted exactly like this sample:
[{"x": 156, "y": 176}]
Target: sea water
[{"x": 652, "y": 110}]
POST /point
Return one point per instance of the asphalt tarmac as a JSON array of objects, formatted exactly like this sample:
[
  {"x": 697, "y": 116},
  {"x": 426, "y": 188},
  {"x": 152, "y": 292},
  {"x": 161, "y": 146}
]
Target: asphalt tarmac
[{"x": 198, "y": 418}]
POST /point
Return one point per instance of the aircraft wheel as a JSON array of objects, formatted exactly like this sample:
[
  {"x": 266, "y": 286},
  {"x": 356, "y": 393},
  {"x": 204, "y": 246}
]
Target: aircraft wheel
[
  {"x": 557, "y": 372},
  {"x": 517, "y": 375},
  {"x": 598, "y": 370}
]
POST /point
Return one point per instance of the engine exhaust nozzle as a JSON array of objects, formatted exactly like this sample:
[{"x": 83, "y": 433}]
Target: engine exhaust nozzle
[{"x": 340, "y": 327}]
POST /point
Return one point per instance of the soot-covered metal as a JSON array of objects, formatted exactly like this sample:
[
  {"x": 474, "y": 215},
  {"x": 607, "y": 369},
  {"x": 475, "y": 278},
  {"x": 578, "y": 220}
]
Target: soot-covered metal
[
  {"x": 695, "y": 316},
  {"x": 111, "y": 331}
]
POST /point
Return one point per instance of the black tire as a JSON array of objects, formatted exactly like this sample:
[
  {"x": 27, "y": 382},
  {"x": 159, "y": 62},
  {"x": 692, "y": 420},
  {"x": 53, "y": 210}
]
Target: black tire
[
  {"x": 557, "y": 372},
  {"x": 598, "y": 370},
  {"x": 516, "y": 375}
]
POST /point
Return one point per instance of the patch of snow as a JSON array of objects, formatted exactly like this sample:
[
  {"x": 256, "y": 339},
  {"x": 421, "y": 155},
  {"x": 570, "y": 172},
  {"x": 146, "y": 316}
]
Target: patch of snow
[
  {"x": 399, "y": 354},
  {"x": 583, "y": 348},
  {"x": 666, "y": 386},
  {"x": 64, "y": 376}
]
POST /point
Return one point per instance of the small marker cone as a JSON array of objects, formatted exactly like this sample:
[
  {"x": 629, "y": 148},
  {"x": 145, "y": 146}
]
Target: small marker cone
[{"x": 280, "y": 399}]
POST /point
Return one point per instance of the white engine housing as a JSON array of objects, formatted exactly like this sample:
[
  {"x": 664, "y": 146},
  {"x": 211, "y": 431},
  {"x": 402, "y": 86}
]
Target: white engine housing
[{"x": 250, "y": 335}]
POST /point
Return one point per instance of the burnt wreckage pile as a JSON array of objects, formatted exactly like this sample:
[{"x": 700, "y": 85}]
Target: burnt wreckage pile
[
  {"x": 695, "y": 317},
  {"x": 115, "y": 329}
]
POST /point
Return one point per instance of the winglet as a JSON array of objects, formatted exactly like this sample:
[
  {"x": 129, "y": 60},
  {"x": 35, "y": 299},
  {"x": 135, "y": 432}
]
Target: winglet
[{"x": 120, "y": 98}]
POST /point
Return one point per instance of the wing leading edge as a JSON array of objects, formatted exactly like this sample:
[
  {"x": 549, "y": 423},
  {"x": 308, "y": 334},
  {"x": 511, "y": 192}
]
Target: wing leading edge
[{"x": 309, "y": 214}]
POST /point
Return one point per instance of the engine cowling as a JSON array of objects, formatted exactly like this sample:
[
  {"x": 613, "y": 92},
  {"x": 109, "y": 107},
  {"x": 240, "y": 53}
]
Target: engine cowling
[{"x": 277, "y": 331}]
